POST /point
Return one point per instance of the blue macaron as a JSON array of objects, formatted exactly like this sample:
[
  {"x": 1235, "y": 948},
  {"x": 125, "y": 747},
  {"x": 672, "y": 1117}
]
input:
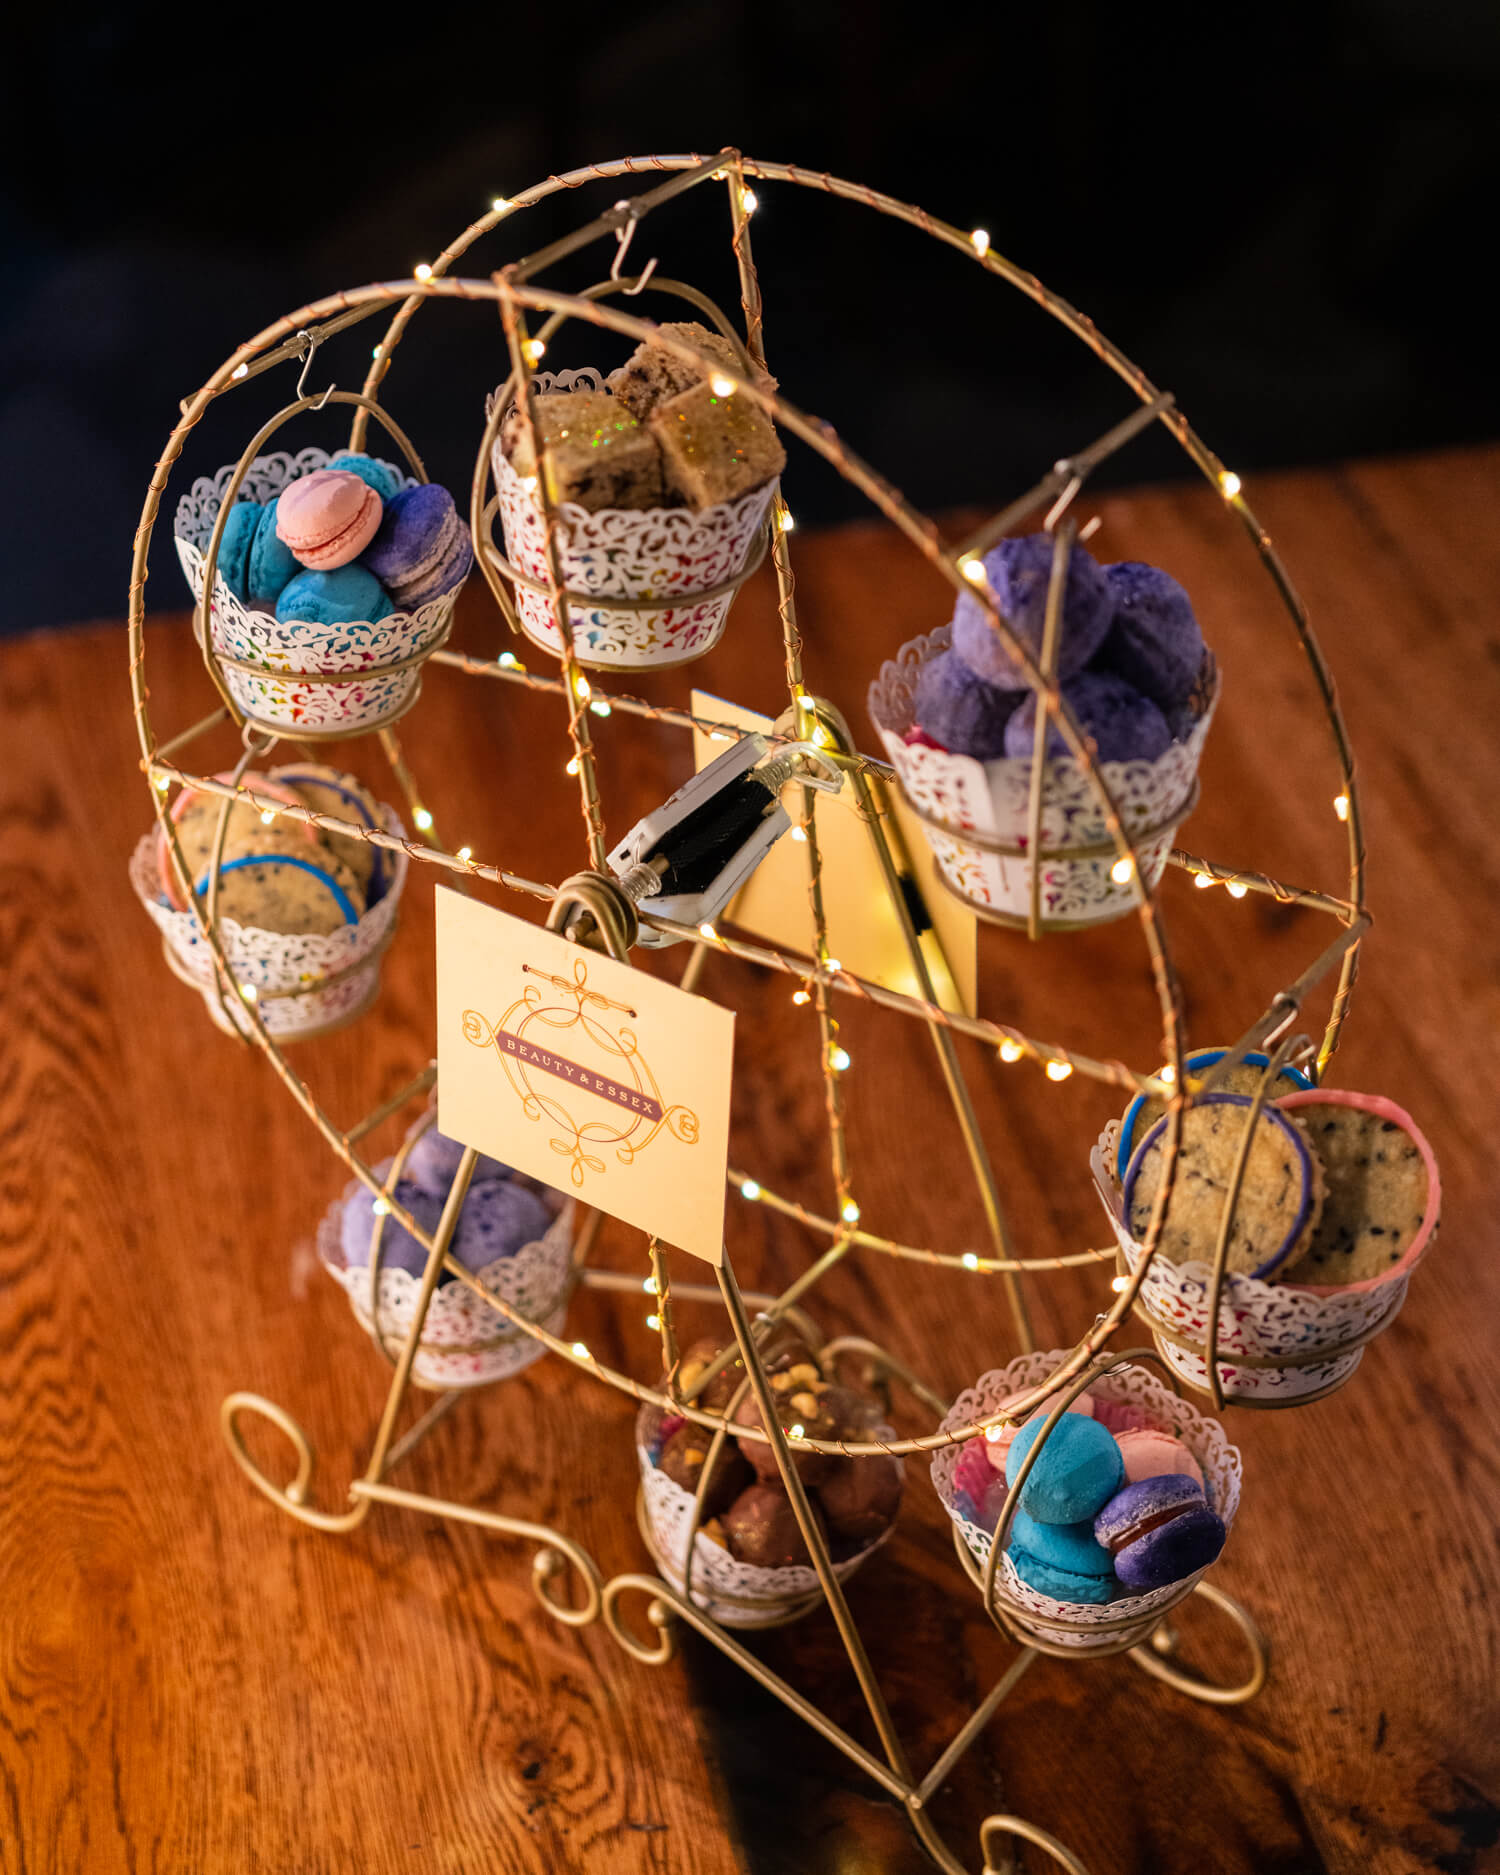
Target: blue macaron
[
  {"x": 399, "y": 1250},
  {"x": 1019, "y": 572},
  {"x": 421, "y": 549},
  {"x": 347, "y": 595},
  {"x": 380, "y": 476},
  {"x": 1063, "y": 1560},
  {"x": 961, "y": 711},
  {"x": 433, "y": 1161},
  {"x": 1077, "y": 1470},
  {"x": 1123, "y": 725},
  {"x": 1159, "y": 1531},
  {"x": 234, "y": 547},
  {"x": 272, "y": 564}
]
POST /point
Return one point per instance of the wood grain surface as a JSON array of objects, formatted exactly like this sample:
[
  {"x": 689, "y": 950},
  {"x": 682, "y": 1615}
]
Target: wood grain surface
[{"x": 191, "y": 1682}]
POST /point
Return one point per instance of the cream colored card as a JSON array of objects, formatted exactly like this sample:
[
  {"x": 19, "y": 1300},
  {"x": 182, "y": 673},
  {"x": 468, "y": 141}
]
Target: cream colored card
[
  {"x": 584, "y": 1073},
  {"x": 864, "y": 932}
]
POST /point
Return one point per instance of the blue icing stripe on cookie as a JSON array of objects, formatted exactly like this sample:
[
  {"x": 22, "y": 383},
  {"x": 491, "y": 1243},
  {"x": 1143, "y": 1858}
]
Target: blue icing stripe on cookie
[
  {"x": 1196, "y": 1063},
  {"x": 340, "y": 896},
  {"x": 377, "y": 876}
]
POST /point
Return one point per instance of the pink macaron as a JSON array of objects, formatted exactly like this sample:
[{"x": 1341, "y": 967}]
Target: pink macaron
[
  {"x": 997, "y": 1440},
  {"x": 328, "y": 517},
  {"x": 1151, "y": 1454}
]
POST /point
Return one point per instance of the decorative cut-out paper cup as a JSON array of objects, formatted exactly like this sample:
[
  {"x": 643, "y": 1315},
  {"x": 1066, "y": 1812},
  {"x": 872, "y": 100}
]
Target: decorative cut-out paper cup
[
  {"x": 977, "y": 815},
  {"x": 302, "y": 986},
  {"x": 693, "y": 563},
  {"x": 1083, "y": 1628},
  {"x": 737, "y": 1594},
  {"x": 297, "y": 676},
  {"x": 1279, "y": 1344},
  {"x": 465, "y": 1341}
]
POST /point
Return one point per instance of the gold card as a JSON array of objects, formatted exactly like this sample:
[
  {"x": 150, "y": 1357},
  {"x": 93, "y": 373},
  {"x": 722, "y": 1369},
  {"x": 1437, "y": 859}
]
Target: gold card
[
  {"x": 864, "y": 932},
  {"x": 584, "y": 1073}
]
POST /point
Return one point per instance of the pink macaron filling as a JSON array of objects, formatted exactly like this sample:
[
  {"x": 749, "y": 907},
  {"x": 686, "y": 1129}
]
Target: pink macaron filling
[{"x": 328, "y": 518}]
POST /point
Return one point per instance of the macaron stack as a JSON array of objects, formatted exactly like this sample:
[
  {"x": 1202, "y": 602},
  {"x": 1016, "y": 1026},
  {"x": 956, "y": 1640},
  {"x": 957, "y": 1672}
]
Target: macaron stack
[
  {"x": 1111, "y": 1505},
  {"x": 343, "y": 545},
  {"x": 1130, "y": 657}
]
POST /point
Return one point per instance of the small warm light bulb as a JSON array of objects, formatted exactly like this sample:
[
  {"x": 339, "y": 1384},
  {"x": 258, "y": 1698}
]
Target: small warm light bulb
[
  {"x": 572, "y": 767},
  {"x": 582, "y": 686},
  {"x": 381, "y": 1207},
  {"x": 528, "y": 482},
  {"x": 601, "y": 708},
  {"x": 422, "y": 271},
  {"x": 972, "y": 568},
  {"x": 162, "y": 783},
  {"x": 533, "y": 351},
  {"x": 785, "y": 520},
  {"x": 720, "y": 735},
  {"x": 1202, "y": 880},
  {"x": 799, "y": 834},
  {"x": 797, "y": 1431},
  {"x": 249, "y": 992},
  {"x": 423, "y": 819},
  {"x": 1341, "y": 806},
  {"x": 1122, "y": 871},
  {"x": 1168, "y": 1074},
  {"x": 799, "y": 997},
  {"x": 1059, "y": 1070},
  {"x": 1229, "y": 484},
  {"x": 1011, "y": 1051},
  {"x": 376, "y": 353},
  {"x": 268, "y": 814},
  {"x": 850, "y": 1212},
  {"x": 838, "y": 1059},
  {"x": 581, "y": 1350},
  {"x": 1236, "y": 890},
  {"x": 749, "y": 201},
  {"x": 501, "y": 205},
  {"x": 750, "y": 1190},
  {"x": 465, "y": 853},
  {"x": 832, "y": 965},
  {"x": 721, "y": 386},
  {"x": 981, "y": 239},
  {"x": 648, "y": 1284},
  {"x": 508, "y": 661},
  {"x": 969, "y": 1260},
  {"x": 653, "y": 1321},
  {"x": 707, "y": 931},
  {"x": 240, "y": 371},
  {"x": 1119, "y": 1284}
]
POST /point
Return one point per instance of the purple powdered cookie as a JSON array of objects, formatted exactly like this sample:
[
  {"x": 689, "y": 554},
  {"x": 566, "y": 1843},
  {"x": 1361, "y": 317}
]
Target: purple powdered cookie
[
  {"x": 1154, "y": 642},
  {"x": 1123, "y": 725},
  {"x": 1018, "y": 572},
  {"x": 1159, "y": 1531},
  {"x": 421, "y": 549},
  {"x": 399, "y": 1250},
  {"x": 499, "y": 1218},
  {"x": 960, "y": 711},
  {"x": 433, "y": 1161}
]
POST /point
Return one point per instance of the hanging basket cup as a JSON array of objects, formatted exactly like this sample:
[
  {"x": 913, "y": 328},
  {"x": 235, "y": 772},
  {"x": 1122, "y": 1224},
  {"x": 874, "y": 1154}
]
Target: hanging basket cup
[
  {"x": 1080, "y": 1628},
  {"x": 977, "y": 815},
  {"x": 695, "y": 562}
]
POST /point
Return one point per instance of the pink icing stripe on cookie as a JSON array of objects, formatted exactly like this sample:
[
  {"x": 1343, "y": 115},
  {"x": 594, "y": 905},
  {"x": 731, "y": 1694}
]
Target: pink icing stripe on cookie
[{"x": 1383, "y": 1109}]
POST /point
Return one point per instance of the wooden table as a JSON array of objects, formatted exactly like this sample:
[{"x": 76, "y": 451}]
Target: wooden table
[{"x": 189, "y": 1681}]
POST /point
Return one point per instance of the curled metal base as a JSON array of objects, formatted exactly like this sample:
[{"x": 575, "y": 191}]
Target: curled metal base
[
  {"x": 1155, "y": 1656},
  {"x": 292, "y": 1498}
]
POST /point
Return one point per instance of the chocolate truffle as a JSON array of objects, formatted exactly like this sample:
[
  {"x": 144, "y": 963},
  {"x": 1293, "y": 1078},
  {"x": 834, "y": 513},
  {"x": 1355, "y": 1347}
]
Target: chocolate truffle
[
  {"x": 684, "y": 1456},
  {"x": 716, "y": 1396},
  {"x": 960, "y": 711},
  {"x": 809, "y": 1407},
  {"x": 1123, "y": 725},
  {"x": 859, "y": 1498},
  {"x": 762, "y": 1528},
  {"x": 1018, "y": 572},
  {"x": 1154, "y": 642}
]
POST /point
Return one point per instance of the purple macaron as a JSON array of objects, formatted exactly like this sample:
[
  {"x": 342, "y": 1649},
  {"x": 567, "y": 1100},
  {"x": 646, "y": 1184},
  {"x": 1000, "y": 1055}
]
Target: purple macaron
[
  {"x": 961, "y": 711},
  {"x": 1019, "y": 572},
  {"x": 433, "y": 1162},
  {"x": 1154, "y": 642},
  {"x": 421, "y": 549},
  {"x": 1159, "y": 1531},
  {"x": 1123, "y": 725},
  {"x": 499, "y": 1218},
  {"x": 399, "y": 1250}
]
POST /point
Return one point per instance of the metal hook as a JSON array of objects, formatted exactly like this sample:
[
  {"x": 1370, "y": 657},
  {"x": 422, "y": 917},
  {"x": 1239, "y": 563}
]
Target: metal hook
[
  {"x": 623, "y": 237},
  {"x": 310, "y": 343}
]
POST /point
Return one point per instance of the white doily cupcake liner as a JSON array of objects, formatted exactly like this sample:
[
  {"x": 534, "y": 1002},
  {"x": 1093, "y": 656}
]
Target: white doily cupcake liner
[
  {"x": 465, "y": 1342},
  {"x": 956, "y": 794},
  {"x": 737, "y": 1594},
  {"x": 635, "y": 554},
  {"x": 375, "y": 694},
  {"x": 1104, "y": 1627},
  {"x": 1270, "y": 1322},
  {"x": 302, "y": 986}
]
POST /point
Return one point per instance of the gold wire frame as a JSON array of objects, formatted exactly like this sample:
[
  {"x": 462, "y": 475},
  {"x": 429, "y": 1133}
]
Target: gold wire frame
[{"x": 590, "y": 907}]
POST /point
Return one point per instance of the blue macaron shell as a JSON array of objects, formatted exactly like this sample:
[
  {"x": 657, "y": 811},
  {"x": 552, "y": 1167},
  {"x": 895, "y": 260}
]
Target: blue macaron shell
[
  {"x": 1180, "y": 1534},
  {"x": 273, "y": 565},
  {"x": 433, "y": 1161},
  {"x": 1063, "y": 1560},
  {"x": 961, "y": 711},
  {"x": 234, "y": 547},
  {"x": 380, "y": 476},
  {"x": 1198, "y": 1062},
  {"x": 1019, "y": 571},
  {"x": 348, "y": 595},
  {"x": 1154, "y": 641},
  {"x": 1078, "y": 1469},
  {"x": 399, "y": 1250},
  {"x": 499, "y": 1218},
  {"x": 1123, "y": 725}
]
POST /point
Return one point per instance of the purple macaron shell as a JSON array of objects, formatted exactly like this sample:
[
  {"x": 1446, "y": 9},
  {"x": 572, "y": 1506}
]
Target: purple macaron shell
[
  {"x": 399, "y": 1250},
  {"x": 421, "y": 549},
  {"x": 433, "y": 1161},
  {"x": 1123, "y": 725},
  {"x": 499, "y": 1218},
  {"x": 961, "y": 711},
  {"x": 1159, "y": 1531},
  {"x": 1019, "y": 572},
  {"x": 1154, "y": 642}
]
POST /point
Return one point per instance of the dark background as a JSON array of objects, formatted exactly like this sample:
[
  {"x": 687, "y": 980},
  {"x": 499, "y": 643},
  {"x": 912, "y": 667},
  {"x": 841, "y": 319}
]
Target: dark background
[{"x": 1285, "y": 216}]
